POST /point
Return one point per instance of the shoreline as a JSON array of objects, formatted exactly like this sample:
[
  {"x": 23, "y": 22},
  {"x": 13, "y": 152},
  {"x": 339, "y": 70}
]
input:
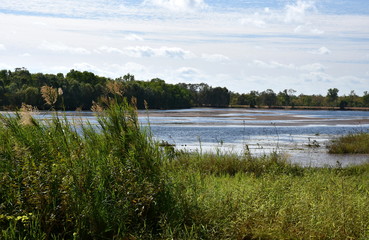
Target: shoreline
[
  {"x": 324, "y": 108},
  {"x": 248, "y": 117}
]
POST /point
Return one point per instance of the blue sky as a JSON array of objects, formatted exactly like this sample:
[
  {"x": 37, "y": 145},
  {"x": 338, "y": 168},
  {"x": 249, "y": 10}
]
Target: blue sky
[{"x": 306, "y": 45}]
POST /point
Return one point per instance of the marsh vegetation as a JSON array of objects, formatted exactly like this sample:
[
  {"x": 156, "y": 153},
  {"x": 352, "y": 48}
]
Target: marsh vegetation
[
  {"x": 351, "y": 144},
  {"x": 60, "y": 181}
]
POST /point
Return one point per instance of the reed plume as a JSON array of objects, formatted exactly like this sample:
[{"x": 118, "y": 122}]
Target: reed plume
[
  {"x": 115, "y": 88},
  {"x": 26, "y": 118},
  {"x": 50, "y": 94}
]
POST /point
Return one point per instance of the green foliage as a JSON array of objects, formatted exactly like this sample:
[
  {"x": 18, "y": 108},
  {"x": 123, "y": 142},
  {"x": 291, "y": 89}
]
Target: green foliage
[
  {"x": 332, "y": 96},
  {"x": 220, "y": 164},
  {"x": 81, "y": 89},
  {"x": 90, "y": 182},
  {"x": 74, "y": 180},
  {"x": 280, "y": 202},
  {"x": 350, "y": 144},
  {"x": 268, "y": 98},
  {"x": 366, "y": 99}
]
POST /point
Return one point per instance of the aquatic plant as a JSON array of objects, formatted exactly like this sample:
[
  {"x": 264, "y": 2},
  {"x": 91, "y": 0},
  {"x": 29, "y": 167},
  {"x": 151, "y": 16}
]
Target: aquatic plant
[{"x": 357, "y": 143}]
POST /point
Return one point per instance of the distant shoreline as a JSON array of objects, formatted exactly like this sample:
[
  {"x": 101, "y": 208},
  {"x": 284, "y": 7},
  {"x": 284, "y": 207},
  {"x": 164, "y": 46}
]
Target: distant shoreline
[{"x": 302, "y": 108}]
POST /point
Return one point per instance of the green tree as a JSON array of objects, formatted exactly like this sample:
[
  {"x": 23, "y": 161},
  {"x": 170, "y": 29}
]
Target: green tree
[
  {"x": 268, "y": 98},
  {"x": 332, "y": 96},
  {"x": 366, "y": 99}
]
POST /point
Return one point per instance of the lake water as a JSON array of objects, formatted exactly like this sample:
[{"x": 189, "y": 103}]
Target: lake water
[{"x": 300, "y": 135}]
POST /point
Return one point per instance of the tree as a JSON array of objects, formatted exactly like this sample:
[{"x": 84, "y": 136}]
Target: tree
[
  {"x": 285, "y": 97},
  {"x": 366, "y": 99},
  {"x": 332, "y": 96},
  {"x": 268, "y": 98}
]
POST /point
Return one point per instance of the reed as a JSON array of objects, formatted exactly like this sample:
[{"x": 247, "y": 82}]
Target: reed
[
  {"x": 67, "y": 180},
  {"x": 357, "y": 143},
  {"x": 93, "y": 182}
]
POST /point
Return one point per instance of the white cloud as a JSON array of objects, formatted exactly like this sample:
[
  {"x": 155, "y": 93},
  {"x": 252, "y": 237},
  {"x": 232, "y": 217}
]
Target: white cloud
[
  {"x": 314, "y": 67},
  {"x": 316, "y": 31},
  {"x": 133, "y": 37},
  {"x": 69, "y": 8},
  {"x": 152, "y": 39},
  {"x": 104, "y": 70},
  {"x": 25, "y": 55},
  {"x": 317, "y": 77},
  {"x": 308, "y": 29},
  {"x": 177, "y": 5},
  {"x": 215, "y": 57},
  {"x": 171, "y": 52},
  {"x": 85, "y": 67},
  {"x": 273, "y": 64},
  {"x": 2, "y": 47},
  {"x": 189, "y": 74},
  {"x": 117, "y": 70},
  {"x": 297, "y": 12},
  {"x": 141, "y": 51},
  {"x": 132, "y": 67},
  {"x": 109, "y": 50},
  {"x": 145, "y": 51},
  {"x": 321, "y": 51},
  {"x": 38, "y": 23},
  {"x": 5, "y": 66},
  {"x": 60, "y": 47},
  {"x": 255, "y": 20}
]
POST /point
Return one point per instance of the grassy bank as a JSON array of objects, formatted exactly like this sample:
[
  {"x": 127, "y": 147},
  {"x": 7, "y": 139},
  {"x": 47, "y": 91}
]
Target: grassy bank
[{"x": 112, "y": 181}]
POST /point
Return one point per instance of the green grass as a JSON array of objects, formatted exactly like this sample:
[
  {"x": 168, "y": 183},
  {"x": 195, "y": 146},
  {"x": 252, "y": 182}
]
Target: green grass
[
  {"x": 274, "y": 200},
  {"x": 84, "y": 183},
  {"x": 351, "y": 144},
  {"x": 112, "y": 181}
]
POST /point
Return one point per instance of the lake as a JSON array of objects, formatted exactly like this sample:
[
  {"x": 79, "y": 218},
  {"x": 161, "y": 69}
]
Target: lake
[{"x": 302, "y": 135}]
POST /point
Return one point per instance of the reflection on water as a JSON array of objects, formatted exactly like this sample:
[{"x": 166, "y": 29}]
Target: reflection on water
[
  {"x": 303, "y": 145},
  {"x": 301, "y": 135}
]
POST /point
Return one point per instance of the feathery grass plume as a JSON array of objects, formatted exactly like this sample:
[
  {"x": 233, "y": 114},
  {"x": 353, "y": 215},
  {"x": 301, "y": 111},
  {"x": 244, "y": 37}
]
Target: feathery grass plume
[
  {"x": 49, "y": 94},
  {"x": 134, "y": 102},
  {"x": 26, "y": 118},
  {"x": 115, "y": 88},
  {"x": 146, "y": 105},
  {"x": 60, "y": 91},
  {"x": 96, "y": 107}
]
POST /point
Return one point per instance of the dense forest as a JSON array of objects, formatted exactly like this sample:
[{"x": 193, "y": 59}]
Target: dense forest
[{"x": 78, "y": 90}]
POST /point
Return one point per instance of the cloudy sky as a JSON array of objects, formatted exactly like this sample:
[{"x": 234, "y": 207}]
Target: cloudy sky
[{"x": 306, "y": 45}]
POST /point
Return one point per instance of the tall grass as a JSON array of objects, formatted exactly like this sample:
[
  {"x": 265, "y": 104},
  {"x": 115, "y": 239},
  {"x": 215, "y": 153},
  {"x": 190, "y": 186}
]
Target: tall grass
[
  {"x": 351, "y": 143},
  {"x": 278, "y": 202},
  {"x": 63, "y": 180},
  {"x": 94, "y": 182}
]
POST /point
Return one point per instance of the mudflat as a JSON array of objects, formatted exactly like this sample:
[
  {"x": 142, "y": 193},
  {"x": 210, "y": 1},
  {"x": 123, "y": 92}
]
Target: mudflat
[{"x": 257, "y": 117}]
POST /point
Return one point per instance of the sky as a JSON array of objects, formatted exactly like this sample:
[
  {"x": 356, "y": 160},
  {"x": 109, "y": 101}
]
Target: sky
[{"x": 244, "y": 45}]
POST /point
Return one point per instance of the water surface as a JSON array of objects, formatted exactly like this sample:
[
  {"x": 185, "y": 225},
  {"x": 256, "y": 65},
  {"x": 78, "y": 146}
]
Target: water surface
[{"x": 301, "y": 135}]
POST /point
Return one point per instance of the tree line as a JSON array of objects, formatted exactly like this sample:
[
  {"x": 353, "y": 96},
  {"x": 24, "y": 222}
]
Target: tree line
[
  {"x": 79, "y": 90},
  {"x": 287, "y": 98}
]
